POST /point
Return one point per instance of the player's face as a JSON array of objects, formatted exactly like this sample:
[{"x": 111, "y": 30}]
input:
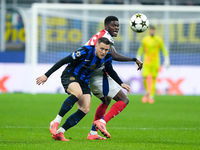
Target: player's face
[
  {"x": 101, "y": 50},
  {"x": 113, "y": 28},
  {"x": 152, "y": 32}
]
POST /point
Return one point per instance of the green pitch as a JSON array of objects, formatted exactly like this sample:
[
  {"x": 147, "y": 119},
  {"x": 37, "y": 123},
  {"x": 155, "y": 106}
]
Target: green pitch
[{"x": 172, "y": 123}]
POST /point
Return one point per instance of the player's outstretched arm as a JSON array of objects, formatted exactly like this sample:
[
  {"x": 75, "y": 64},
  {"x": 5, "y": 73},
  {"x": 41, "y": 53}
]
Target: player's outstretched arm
[
  {"x": 118, "y": 57},
  {"x": 41, "y": 80}
]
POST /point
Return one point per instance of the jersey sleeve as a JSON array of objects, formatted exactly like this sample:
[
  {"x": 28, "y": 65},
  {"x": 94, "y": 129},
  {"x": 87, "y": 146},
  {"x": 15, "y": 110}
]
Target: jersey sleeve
[
  {"x": 112, "y": 72},
  {"x": 57, "y": 65},
  {"x": 163, "y": 48},
  {"x": 114, "y": 75},
  {"x": 76, "y": 55},
  {"x": 79, "y": 54}
]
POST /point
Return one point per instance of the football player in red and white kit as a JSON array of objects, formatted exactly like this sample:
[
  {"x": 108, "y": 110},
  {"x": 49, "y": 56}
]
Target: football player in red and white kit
[{"x": 103, "y": 86}]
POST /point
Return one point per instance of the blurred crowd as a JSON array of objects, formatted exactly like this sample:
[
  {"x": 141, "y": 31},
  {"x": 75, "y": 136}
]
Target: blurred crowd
[{"x": 139, "y": 2}]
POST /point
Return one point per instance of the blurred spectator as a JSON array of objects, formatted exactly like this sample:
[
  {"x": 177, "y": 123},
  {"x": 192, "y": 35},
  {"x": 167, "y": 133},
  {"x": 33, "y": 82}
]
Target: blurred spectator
[
  {"x": 150, "y": 48},
  {"x": 113, "y": 2},
  {"x": 71, "y": 1}
]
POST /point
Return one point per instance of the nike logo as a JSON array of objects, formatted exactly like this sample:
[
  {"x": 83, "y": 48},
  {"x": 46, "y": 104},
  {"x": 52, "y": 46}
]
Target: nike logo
[{"x": 87, "y": 60}]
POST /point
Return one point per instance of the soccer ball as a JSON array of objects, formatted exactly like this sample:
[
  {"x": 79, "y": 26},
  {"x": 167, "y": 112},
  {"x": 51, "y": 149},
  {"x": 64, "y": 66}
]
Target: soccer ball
[{"x": 139, "y": 23}]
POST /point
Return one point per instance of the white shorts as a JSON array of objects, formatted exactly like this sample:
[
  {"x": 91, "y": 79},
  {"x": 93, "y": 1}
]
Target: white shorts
[{"x": 96, "y": 84}]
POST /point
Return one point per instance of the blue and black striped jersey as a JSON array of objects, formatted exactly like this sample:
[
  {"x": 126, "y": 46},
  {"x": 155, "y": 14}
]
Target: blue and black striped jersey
[{"x": 85, "y": 62}]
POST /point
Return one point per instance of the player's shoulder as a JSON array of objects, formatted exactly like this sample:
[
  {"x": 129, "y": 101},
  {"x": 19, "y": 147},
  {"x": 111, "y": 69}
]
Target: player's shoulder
[
  {"x": 85, "y": 49},
  {"x": 88, "y": 47},
  {"x": 106, "y": 34},
  {"x": 103, "y": 31},
  {"x": 100, "y": 34},
  {"x": 158, "y": 38},
  {"x": 145, "y": 38}
]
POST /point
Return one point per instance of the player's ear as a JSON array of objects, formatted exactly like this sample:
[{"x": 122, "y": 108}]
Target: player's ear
[
  {"x": 106, "y": 26},
  {"x": 96, "y": 45}
]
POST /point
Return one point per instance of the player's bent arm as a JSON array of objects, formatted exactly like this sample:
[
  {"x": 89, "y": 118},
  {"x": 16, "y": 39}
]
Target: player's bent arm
[
  {"x": 118, "y": 57},
  {"x": 163, "y": 48},
  {"x": 115, "y": 77},
  {"x": 113, "y": 74},
  {"x": 166, "y": 62}
]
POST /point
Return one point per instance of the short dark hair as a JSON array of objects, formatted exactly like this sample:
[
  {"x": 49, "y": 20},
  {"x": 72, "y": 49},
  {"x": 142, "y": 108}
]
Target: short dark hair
[
  {"x": 152, "y": 27},
  {"x": 104, "y": 40},
  {"x": 109, "y": 19}
]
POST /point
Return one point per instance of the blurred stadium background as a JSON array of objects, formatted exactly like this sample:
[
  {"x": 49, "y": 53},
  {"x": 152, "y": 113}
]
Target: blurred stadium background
[
  {"x": 29, "y": 47},
  {"x": 33, "y": 37}
]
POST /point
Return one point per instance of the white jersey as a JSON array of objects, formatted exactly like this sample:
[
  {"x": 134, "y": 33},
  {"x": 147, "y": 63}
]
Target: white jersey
[
  {"x": 102, "y": 33},
  {"x": 96, "y": 79}
]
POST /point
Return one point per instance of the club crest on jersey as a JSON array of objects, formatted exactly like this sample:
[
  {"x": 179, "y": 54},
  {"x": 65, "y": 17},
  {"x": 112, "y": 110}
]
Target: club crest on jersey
[
  {"x": 71, "y": 78},
  {"x": 76, "y": 54}
]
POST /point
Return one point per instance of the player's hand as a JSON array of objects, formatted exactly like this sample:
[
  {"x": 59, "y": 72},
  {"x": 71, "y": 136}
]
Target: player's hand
[
  {"x": 140, "y": 64},
  {"x": 166, "y": 62},
  {"x": 127, "y": 87},
  {"x": 41, "y": 80}
]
